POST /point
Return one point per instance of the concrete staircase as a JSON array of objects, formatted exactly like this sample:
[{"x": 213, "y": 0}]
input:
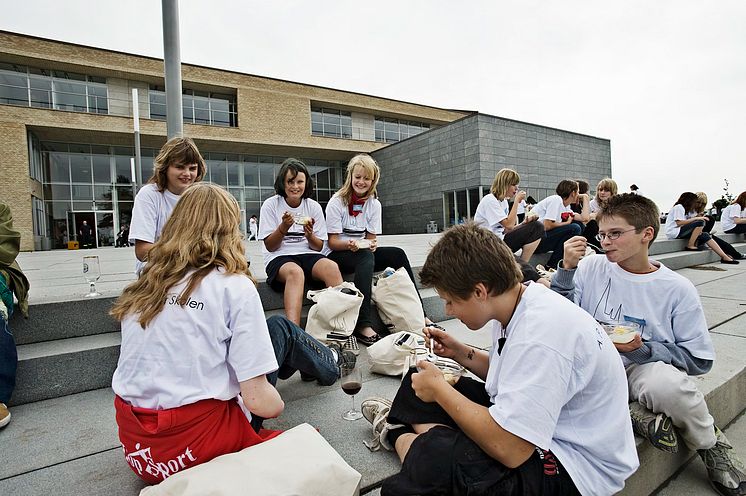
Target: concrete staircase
[{"x": 63, "y": 437}]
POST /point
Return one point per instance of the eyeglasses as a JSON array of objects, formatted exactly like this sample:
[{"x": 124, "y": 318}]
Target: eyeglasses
[{"x": 613, "y": 235}]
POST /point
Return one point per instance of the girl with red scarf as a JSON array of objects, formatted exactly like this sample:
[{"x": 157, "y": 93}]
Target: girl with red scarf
[{"x": 353, "y": 219}]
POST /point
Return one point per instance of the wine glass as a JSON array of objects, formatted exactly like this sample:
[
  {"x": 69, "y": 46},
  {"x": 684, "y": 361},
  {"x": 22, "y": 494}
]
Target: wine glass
[
  {"x": 352, "y": 381},
  {"x": 91, "y": 272}
]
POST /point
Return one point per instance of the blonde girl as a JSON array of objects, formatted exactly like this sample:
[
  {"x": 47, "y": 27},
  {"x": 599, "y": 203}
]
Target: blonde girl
[
  {"x": 198, "y": 361},
  {"x": 353, "y": 219},
  {"x": 495, "y": 214}
]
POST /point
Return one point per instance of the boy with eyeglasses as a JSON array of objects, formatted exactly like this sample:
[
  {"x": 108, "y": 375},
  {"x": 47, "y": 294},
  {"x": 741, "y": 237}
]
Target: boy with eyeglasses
[{"x": 674, "y": 343}]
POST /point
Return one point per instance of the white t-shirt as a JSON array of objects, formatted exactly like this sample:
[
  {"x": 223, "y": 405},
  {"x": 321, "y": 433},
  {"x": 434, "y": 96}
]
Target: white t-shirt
[
  {"x": 149, "y": 214},
  {"x": 594, "y": 206},
  {"x": 551, "y": 208},
  {"x": 676, "y": 213},
  {"x": 339, "y": 221},
  {"x": 491, "y": 212},
  {"x": 559, "y": 384},
  {"x": 729, "y": 213},
  {"x": 295, "y": 242},
  {"x": 197, "y": 351},
  {"x": 665, "y": 304}
]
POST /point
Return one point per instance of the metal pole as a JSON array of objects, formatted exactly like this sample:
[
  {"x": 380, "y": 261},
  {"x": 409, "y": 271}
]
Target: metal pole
[
  {"x": 137, "y": 176},
  {"x": 172, "y": 66}
]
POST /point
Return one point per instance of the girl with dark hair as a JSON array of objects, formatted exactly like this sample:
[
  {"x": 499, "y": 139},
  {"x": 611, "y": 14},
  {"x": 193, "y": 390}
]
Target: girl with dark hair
[
  {"x": 293, "y": 231},
  {"x": 733, "y": 218},
  {"x": 683, "y": 223}
]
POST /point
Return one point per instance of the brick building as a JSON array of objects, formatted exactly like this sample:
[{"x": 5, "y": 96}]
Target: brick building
[{"x": 66, "y": 138}]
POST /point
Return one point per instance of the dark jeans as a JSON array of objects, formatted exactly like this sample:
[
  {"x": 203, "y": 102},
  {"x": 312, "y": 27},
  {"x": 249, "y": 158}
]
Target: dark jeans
[
  {"x": 554, "y": 241},
  {"x": 686, "y": 231},
  {"x": 589, "y": 233},
  {"x": 8, "y": 361},
  {"x": 445, "y": 461},
  {"x": 363, "y": 263},
  {"x": 709, "y": 224},
  {"x": 296, "y": 350},
  {"x": 523, "y": 234},
  {"x": 727, "y": 248}
]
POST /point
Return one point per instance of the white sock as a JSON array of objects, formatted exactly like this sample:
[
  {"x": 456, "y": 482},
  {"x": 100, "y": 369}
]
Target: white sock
[{"x": 334, "y": 352}]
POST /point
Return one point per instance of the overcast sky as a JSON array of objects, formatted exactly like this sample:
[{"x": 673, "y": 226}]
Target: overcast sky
[{"x": 665, "y": 81}]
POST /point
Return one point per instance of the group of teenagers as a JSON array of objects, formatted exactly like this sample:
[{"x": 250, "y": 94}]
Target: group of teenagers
[{"x": 548, "y": 411}]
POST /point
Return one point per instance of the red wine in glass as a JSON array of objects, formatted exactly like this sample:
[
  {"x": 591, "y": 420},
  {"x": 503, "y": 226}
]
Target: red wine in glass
[{"x": 351, "y": 381}]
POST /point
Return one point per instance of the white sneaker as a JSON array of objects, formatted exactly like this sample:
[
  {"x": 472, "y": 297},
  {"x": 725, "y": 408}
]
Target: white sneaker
[{"x": 376, "y": 411}]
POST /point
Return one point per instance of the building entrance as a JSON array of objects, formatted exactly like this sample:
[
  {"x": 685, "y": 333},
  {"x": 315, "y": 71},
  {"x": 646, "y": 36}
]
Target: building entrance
[{"x": 91, "y": 229}]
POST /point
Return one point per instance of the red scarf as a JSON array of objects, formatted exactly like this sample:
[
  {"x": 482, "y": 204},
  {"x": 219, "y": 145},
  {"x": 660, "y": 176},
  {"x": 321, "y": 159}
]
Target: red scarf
[{"x": 355, "y": 206}]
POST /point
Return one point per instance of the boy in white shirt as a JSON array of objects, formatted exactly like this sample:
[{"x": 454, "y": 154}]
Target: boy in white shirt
[
  {"x": 551, "y": 416},
  {"x": 625, "y": 285},
  {"x": 557, "y": 216}
]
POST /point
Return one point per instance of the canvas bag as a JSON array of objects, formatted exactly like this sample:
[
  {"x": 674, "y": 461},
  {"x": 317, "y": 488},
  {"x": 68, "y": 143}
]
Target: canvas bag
[
  {"x": 298, "y": 461},
  {"x": 334, "y": 314},
  {"x": 398, "y": 301},
  {"x": 392, "y": 355}
]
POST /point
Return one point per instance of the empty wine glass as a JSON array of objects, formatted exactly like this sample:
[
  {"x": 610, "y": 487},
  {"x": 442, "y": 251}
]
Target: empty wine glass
[
  {"x": 91, "y": 272},
  {"x": 352, "y": 381}
]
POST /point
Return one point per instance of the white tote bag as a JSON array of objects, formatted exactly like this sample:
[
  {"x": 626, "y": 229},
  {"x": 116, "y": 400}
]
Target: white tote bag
[
  {"x": 398, "y": 301},
  {"x": 298, "y": 461},
  {"x": 393, "y": 354},
  {"x": 334, "y": 314}
]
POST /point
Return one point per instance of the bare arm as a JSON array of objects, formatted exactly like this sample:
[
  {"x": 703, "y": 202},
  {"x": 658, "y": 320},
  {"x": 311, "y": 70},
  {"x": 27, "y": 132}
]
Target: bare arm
[
  {"x": 141, "y": 249},
  {"x": 274, "y": 240},
  {"x": 511, "y": 220},
  {"x": 445, "y": 345},
  {"x": 261, "y": 398},
  {"x": 585, "y": 214},
  {"x": 684, "y": 222}
]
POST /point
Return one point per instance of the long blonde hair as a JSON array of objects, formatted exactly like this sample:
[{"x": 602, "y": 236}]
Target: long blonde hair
[
  {"x": 504, "y": 179},
  {"x": 371, "y": 169},
  {"x": 201, "y": 235}
]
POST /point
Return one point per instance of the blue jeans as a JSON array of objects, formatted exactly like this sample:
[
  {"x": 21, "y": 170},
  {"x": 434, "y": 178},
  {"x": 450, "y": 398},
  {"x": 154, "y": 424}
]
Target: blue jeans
[
  {"x": 296, "y": 350},
  {"x": 8, "y": 361},
  {"x": 554, "y": 241}
]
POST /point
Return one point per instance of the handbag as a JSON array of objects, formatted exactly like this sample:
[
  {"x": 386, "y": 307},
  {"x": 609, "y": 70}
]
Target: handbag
[
  {"x": 298, "y": 461},
  {"x": 393, "y": 354},
  {"x": 334, "y": 313},
  {"x": 398, "y": 301}
]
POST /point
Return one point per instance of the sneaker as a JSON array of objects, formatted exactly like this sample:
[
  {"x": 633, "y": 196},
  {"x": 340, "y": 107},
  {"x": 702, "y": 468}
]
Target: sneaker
[
  {"x": 546, "y": 273},
  {"x": 376, "y": 411},
  {"x": 724, "y": 469},
  {"x": 343, "y": 356},
  {"x": 655, "y": 427},
  {"x": 351, "y": 345},
  {"x": 4, "y": 415}
]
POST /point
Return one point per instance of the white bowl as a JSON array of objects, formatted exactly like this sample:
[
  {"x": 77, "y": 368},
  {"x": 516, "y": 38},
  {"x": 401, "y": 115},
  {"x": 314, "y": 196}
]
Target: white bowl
[{"x": 623, "y": 332}]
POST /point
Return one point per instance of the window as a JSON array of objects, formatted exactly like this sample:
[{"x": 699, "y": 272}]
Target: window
[
  {"x": 31, "y": 87},
  {"x": 331, "y": 122},
  {"x": 198, "y": 107},
  {"x": 392, "y": 130}
]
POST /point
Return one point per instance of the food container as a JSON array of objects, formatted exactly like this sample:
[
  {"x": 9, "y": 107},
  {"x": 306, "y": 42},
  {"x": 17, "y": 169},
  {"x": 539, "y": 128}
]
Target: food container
[
  {"x": 452, "y": 370},
  {"x": 363, "y": 244},
  {"x": 302, "y": 220},
  {"x": 622, "y": 332}
]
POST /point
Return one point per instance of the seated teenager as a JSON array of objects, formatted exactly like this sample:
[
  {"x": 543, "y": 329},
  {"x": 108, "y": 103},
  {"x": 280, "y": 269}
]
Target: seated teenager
[
  {"x": 733, "y": 217},
  {"x": 625, "y": 285},
  {"x": 353, "y": 217},
  {"x": 683, "y": 223},
  {"x": 557, "y": 216},
  {"x": 549, "y": 418},
  {"x": 177, "y": 166},
  {"x": 198, "y": 361},
  {"x": 293, "y": 232},
  {"x": 494, "y": 214},
  {"x": 700, "y": 208}
]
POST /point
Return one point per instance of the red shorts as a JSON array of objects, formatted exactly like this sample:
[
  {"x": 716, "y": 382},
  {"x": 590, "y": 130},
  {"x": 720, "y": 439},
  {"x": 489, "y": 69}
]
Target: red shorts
[{"x": 159, "y": 443}]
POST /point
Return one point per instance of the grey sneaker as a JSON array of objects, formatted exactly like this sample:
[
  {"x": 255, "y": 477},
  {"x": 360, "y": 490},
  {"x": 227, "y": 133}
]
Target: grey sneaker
[
  {"x": 351, "y": 345},
  {"x": 655, "y": 427},
  {"x": 724, "y": 469},
  {"x": 344, "y": 356},
  {"x": 376, "y": 411}
]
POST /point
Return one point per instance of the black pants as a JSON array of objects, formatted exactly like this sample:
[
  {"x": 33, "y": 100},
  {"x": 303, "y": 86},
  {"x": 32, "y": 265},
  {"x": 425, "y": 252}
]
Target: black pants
[
  {"x": 363, "y": 263},
  {"x": 523, "y": 234},
  {"x": 445, "y": 461}
]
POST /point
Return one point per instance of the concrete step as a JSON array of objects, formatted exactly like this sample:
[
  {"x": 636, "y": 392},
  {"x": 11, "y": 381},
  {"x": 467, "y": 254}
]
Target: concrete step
[{"x": 69, "y": 445}]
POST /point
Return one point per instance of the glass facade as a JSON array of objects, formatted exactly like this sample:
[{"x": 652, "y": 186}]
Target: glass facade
[
  {"x": 59, "y": 90},
  {"x": 331, "y": 122},
  {"x": 94, "y": 183},
  {"x": 199, "y": 107},
  {"x": 392, "y": 130}
]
